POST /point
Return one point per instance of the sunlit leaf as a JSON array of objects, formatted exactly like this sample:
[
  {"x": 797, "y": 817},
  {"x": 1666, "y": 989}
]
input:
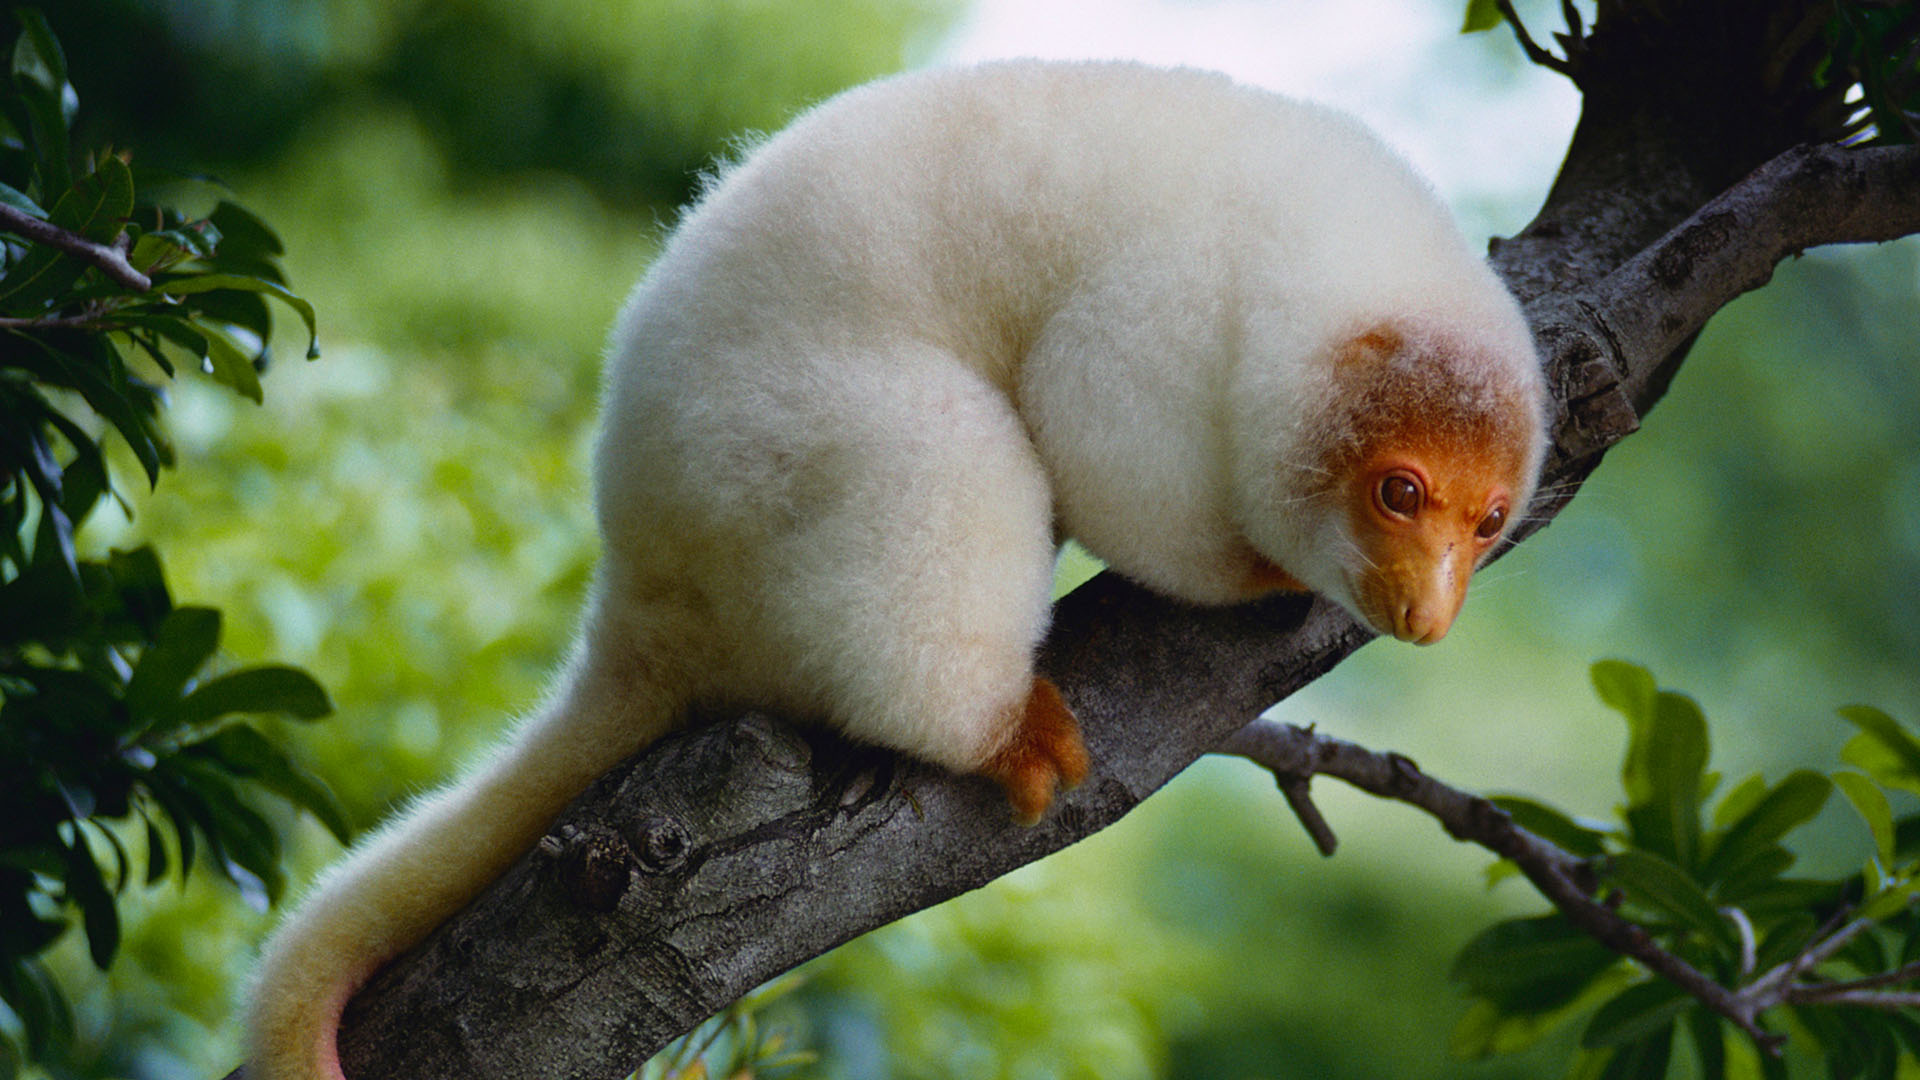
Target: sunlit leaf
[{"x": 1481, "y": 15}]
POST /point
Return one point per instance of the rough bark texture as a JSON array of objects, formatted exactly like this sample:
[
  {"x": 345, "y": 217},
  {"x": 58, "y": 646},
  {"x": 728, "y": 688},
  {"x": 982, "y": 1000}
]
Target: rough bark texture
[{"x": 732, "y": 852}]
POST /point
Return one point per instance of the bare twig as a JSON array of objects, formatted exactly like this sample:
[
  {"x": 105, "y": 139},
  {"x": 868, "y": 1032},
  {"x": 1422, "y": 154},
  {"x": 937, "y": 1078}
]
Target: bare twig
[
  {"x": 1533, "y": 49},
  {"x": 111, "y": 259},
  {"x": 1294, "y": 753}
]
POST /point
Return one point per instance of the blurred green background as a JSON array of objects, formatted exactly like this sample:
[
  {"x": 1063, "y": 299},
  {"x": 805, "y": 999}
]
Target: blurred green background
[{"x": 468, "y": 187}]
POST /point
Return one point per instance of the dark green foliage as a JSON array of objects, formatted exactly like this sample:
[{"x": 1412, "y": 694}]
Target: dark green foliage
[
  {"x": 1712, "y": 889},
  {"x": 1876, "y": 45},
  {"x": 117, "y": 726}
]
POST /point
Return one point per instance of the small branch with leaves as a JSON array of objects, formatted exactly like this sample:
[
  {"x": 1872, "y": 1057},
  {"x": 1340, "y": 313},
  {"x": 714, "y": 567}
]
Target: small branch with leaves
[
  {"x": 111, "y": 259},
  {"x": 1672, "y": 909}
]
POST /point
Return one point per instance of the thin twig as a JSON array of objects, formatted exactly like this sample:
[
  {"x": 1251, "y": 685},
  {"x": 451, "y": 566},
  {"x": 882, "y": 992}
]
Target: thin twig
[
  {"x": 1294, "y": 753},
  {"x": 110, "y": 258},
  {"x": 1534, "y": 52}
]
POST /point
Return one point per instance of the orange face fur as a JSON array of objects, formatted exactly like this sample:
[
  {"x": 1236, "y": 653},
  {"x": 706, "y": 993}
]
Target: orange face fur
[
  {"x": 1423, "y": 519},
  {"x": 1428, "y": 483}
]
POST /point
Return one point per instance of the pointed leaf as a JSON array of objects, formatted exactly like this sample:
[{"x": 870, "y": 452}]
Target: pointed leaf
[
  {"x": 1552, "y": 825},
  {"x": 1709, "y": 1043},
  {"x": 247, "y": 753},
  {"x": 1884, "y": 748},
  {"x": 1627, "y": 688},
  {"x": 1656, "y": 883},
  {"x": 1481, "y": 15},
  {"x": 267, "y": 689},
  {"x": 185, "y": 642},
  {"x": 243, "y": 234},
  {"x": 1791, "y": 803},
  {"x": 1666, "y": 767},
  {"x": 1638, "y": 1012},
  {"x": 40, "y": 76},
  {"x": 1871, "y": 804},
  {"x": 87, "y": 889},
  {"x": 1531, "y": 965},
  {"x": 187, "y": 285},
  {"x": 231, "y": 367}
]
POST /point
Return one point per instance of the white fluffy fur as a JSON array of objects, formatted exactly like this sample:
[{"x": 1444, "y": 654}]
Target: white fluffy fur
[{"x": 885, "y": 361}]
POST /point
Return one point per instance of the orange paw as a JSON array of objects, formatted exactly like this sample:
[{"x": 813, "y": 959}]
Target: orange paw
[{"x": 1044, "y": 754}]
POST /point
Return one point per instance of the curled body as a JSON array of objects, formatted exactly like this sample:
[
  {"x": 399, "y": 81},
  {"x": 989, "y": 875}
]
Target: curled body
[{"x": 1225, "y": 339}]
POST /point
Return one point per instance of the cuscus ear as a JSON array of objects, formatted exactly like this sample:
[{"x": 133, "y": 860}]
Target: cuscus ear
[{"x": 1369, "y": 348}]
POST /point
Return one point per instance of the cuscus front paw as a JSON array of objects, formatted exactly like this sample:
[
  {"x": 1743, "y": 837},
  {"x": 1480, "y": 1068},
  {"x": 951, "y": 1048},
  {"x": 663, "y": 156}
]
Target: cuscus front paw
[{"x": 1044, "y": 754}]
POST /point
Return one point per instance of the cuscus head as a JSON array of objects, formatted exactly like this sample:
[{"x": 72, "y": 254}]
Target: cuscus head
[{"x": 1436, "y": 458}]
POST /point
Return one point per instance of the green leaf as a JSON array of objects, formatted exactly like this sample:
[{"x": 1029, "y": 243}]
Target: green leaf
[
  {"x": 156, "y": 850},
  {"x": 244, "y": 845},
  {"x": 1871, "y": 804},
  {"x": 99, "y": 377},
  {"x": 1741, "y": 800},
  {"x": 40, "y": 77},
  {"x": 1552, "y": 825},
  {"x": 266, "y": 689},
  {"x": 141, "y": 588},
  {"x": 1626, "y": 688},
  {"x": 186, "y": 640},
  {"x": 247, "y": 753},
  {"x": 187, "y": 285},
  {"x": 1665, "y": 772},
  {"x": 1531, "y": 965},
  {"x": 231, "y": 367},
  {"x": 17, "y": 199},
  {"x": 1791, "y": 803},
  {"x": 1643, "y": 1060},
  {"x": 1709, "y": 1043},
  {"x": 1485, "y": 1030},
  {"x": 1638, "y": 1012},
  {"x": 1481, "y": 15},
  {"x": 1658, "y": 884},
  {"x": 1883, "y": 749},
  {"x": 87, "y": 889},
  {"x": 243, "y": 234},
  {"x": 35, "y": 998}
]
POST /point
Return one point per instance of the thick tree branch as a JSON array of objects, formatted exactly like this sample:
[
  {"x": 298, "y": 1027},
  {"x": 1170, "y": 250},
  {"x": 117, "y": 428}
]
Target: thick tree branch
[{"x": 111, "y": 259}]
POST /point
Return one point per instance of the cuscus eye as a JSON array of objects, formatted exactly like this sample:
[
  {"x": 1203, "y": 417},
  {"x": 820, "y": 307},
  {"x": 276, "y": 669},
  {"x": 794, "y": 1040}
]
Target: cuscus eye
[
  {"x": 1491, "y": 525},
  {"x": 1400, "y": 494}
]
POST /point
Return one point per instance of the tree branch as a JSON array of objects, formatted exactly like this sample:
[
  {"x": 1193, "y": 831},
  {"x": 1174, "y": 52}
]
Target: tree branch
[
  {"x": 1292, "y": 752},
  {"x": 111, "y": 259}
]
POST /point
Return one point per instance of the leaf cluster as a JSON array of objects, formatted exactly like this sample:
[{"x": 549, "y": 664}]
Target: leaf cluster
[
  {"x": 1708, "y": 881},
  {"x": 117, "y": 726}
]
